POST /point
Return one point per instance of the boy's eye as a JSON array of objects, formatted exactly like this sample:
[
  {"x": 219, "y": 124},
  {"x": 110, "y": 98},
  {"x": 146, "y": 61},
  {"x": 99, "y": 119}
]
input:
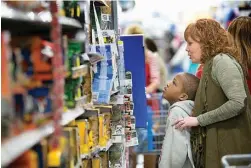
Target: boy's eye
[{"x": 174, "y": 83}]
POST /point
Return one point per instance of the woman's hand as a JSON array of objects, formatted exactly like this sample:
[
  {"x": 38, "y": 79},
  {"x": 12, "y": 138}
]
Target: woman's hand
[{"x": 186, "y": 123}]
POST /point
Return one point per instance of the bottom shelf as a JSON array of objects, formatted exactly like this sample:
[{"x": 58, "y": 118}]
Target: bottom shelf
[{"x": 17, "y": 145}]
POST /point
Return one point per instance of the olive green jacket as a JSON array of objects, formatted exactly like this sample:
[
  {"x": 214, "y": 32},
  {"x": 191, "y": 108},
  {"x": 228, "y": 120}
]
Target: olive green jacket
[{"x": 220, "y": 132}]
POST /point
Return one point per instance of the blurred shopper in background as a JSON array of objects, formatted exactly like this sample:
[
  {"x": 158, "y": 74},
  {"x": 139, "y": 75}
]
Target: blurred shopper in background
[
  {"x": 240, "y": 29},
  {"x": 221, "y": 116},
  {"x": 151, "y": 45},
  {"x": 152, "y": 71},
  {"x": 134, "y": 29}
]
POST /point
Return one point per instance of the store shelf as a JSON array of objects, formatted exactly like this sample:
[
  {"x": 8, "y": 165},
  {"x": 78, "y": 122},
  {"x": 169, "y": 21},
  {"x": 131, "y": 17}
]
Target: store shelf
[
  {"x": 11, "y": 149},
  {"x": 97, "y": 150},
  {"x": 109, "y": 144},
  {"x": 16, "y": 146},
  {"x": 70, "y": 115},
  {"x": 29, "y": 21},
  {"x": 90, "y": 155}
]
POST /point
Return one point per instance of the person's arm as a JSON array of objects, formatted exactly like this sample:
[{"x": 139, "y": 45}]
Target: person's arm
[
  {"x": 154, "y": 73},
  {"x": 230, "y": 78}
]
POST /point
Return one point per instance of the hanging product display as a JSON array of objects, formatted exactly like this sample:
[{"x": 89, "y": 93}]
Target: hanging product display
[{"x": 63, "y": 93}]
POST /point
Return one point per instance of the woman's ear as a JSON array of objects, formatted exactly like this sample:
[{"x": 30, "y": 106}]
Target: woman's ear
[{"x": 183, "y": 97}]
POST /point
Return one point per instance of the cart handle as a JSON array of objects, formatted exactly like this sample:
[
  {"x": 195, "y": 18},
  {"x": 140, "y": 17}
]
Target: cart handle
[{"x": 241, "y": 157}]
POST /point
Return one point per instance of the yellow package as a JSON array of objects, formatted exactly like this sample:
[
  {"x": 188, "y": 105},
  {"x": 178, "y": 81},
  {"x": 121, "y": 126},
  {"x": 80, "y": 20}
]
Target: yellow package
[
  {"x": 96, "y": 162},
  {"x": 58, "y": 156},
  {"x": 83, "y": 127}
]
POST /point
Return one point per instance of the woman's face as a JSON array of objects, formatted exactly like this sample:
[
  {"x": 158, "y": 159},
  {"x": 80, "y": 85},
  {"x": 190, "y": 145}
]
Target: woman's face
[{"x": 194, "y": 50}]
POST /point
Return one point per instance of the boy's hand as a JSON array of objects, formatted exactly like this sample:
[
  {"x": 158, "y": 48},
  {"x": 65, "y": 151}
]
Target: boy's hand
[{"x": 186, "y": 123}]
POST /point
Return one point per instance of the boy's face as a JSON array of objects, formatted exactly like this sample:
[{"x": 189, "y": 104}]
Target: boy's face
[{"x": 174, "y": 91}]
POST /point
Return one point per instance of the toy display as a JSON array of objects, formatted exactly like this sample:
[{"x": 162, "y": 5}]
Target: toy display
[
  {"x": 57, "y": 90},
  {"x": 79, "y": 81},
  {"x": 31, "y": 80}
]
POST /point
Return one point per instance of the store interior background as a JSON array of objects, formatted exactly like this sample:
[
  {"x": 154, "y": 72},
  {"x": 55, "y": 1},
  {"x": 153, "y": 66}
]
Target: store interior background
[{"x": 165, "y": 22}]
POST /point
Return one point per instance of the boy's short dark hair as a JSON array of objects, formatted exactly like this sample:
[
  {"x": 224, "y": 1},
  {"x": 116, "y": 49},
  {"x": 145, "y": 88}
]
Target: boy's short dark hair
[{"x": 191, "y": 85}]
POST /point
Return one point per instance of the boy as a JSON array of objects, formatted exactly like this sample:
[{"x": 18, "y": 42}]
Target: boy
[{"x": 176, "y": 148}]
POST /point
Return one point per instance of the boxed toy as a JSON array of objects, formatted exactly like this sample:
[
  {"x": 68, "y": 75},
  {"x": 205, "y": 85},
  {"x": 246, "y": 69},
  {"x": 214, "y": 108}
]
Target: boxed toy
[
  {"x": 105, "y": 73},
  {"x": 92, "y": 116},
  {"x": 105, "y": 120},
  {"x": 117, "y": 156},
  {"x": 84, "y": 130}
]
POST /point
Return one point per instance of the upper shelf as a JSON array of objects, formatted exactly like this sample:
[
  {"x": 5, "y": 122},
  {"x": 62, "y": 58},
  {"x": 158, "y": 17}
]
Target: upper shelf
[{"x": 18, "y": 21}]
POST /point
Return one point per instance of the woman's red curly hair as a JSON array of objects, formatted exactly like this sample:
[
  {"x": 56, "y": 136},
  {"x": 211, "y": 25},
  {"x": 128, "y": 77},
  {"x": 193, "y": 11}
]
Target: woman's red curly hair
[{"x": 212, "y": 37}]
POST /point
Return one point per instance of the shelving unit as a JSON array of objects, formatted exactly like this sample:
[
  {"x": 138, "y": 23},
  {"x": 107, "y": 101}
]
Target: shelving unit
[
  {"x": 30, "y": 22},
  {"x": 48, "y": 27},
  {"x": 12, "y": 14},
  {"x": 17, "y": 145},
  {"x": 97, "y": 150},
  {"x": 71, "y": 115}
]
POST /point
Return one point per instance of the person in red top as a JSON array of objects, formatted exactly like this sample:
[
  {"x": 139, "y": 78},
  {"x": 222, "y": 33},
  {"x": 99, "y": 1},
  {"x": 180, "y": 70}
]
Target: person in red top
[
  {"x": 199, "y": 71},
  {"x": 240, "y": 29}
]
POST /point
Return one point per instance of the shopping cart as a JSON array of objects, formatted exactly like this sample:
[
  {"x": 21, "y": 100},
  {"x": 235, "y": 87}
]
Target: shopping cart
[
  {"x": 240, "y": 161},
  {"x": 157, "y": 117},
  {"x": 151, "y": 137}
]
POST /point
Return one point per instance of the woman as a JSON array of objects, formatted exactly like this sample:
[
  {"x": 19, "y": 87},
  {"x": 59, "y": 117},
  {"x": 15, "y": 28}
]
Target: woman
[
  {"x": 221, "y": 117},
  {"x": 240, "y": 29}
]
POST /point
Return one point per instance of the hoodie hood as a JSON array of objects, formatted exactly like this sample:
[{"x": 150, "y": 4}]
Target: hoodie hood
[{"x": 186, "y": 105}]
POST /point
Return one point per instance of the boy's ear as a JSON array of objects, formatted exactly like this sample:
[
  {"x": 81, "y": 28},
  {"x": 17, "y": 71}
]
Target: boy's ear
[{"x": 183, "y": 97}]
